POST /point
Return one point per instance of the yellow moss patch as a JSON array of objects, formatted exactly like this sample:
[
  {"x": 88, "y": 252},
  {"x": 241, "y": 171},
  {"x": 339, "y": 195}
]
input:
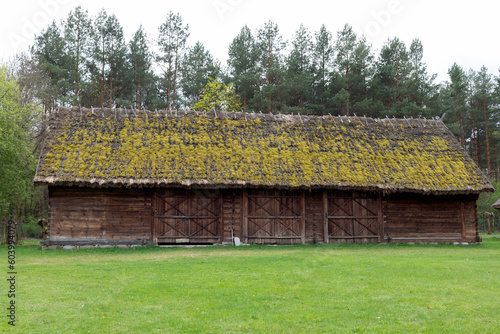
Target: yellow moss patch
[{"x": 260, "y": 152}]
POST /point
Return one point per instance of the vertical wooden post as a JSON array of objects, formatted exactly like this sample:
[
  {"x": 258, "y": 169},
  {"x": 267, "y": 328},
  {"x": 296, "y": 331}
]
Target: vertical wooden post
[
  {"x": 462, "y": 220},
  {"x": 380, "y": 219},
  {"x": 244, "y": 212},
  {"x": 303, "y": 232},
  {"x": 148, "y": 204},
  {"x": 154, "y": 209},
  {"x": 325, "y": 217},
  {"x": 50, "y": 213},
  {"x": 221, "y": 219}
]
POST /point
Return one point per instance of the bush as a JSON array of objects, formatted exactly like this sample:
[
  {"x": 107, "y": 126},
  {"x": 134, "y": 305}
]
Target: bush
[
  {"x": 487, "y": 199},
  {"x": 31, "y": 229}
]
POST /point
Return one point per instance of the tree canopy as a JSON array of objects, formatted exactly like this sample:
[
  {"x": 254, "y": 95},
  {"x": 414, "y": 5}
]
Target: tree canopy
[
  {"x": 87, "y": 61},
  {"x": 17, "y": 156}
]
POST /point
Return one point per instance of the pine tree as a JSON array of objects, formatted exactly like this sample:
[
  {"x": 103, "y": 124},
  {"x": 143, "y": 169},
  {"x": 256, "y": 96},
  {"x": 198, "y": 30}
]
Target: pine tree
[
  {"x": 323, "y": 65},
  {"x": 421, "y": 90},
  {"x": 344, "y": 48},
  {"x": 140, "y": 71},
  {"x": 243, "y": 64},
  {"x": 472, "y": 111},
  {"x": 458, "y": 87},
  {"x": 172, "y": 43},
  {"x": 392, "y": 73},
  {"x": 49, "y": 51},
  {"x": 77, "y": 28},
  {"x": 299, "y": 76},
  {"x": 198, "y": 66},
  {"x": 109, "y": 85},
  {"x": 362, "y": 71},
  {"x": 483, "y": 96},
  {"x": 271, "y": 45}
]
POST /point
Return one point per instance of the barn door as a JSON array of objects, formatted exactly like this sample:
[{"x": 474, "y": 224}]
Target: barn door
[
  {"x": 187, "y": 216},
  {"x": 275, "y": 217},
  {"x": 352, "y": 218}
]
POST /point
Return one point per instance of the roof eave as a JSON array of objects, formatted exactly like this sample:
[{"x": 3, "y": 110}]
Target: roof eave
[{"x": 230, "y": 184}]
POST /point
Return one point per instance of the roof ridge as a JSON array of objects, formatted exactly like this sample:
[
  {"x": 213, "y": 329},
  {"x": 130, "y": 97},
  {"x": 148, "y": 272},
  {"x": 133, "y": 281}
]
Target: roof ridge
[{"x": 411, "y": 122}]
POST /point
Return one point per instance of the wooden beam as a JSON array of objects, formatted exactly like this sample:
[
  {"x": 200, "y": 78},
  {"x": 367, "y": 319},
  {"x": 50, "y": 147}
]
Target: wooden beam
[
  {"x": 353, "y": 236},
  {"x": 276, "y": 217},
  {"x": 325, "y": 216},
  {"x": 276, "y": 237},
  {"x": 380, "y": 218},
  {"x": 353, "y": 217},
  {"x": 462, "y": 220},
  {"x": 244, "y": 214},
  {"x": 188, "y": 217},
  {"x": 154, "y": 212},
  {"x": 220, "y": 226},
  {"x": 303, "y": 232},
  {"x": 84, "y": 242},
  {"x": 148, "y": 203}
]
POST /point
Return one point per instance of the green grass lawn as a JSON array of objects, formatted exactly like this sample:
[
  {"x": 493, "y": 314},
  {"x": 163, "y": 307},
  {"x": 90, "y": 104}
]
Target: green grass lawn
[{"x": 257, "y": 289}]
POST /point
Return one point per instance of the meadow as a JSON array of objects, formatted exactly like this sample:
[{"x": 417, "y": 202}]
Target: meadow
[{"x": 257, "y": 289}]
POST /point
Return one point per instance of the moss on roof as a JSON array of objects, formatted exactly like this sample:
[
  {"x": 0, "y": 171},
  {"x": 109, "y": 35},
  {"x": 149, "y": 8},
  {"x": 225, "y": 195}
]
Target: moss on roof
[{"x": 106, "y": 147}]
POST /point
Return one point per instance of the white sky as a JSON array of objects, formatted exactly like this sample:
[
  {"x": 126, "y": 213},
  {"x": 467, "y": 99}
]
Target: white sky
[{"x": 465, "y": 32}]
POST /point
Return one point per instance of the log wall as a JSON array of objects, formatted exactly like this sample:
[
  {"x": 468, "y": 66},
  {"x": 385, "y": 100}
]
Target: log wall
[
  {"x": 411, "y": 218},
  {"x": 268, "y": 216},
  {"x": 76, "y": 213},
  {"x": 314, "y": 217},
  {"x": 232, "y": 219}
]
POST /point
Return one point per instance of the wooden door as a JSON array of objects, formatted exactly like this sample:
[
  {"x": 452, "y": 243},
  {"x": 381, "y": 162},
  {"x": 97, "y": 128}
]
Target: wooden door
[
  {"x": 187, "y": 216},
  {"x": 275, "y": 216},
  {"x": 352, "y": 218}
]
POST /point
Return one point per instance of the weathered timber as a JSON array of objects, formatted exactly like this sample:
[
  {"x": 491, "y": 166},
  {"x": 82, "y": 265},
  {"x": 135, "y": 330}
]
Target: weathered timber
[{"x": 258, "y": 216}]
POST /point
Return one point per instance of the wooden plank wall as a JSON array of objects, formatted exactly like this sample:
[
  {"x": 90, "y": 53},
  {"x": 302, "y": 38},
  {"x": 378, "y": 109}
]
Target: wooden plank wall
[
  {"x": 470, "y": 220},
  {"x": 232, "y": 214},
  {"x": 79, "y": 213},
  {"x": 275, "y": 216},
  {"x": 314, "y": 217},
  {"x": 184, "y": 215},
  {"x": 117, "y": 214},
  {"x": 414, "y": 218}
]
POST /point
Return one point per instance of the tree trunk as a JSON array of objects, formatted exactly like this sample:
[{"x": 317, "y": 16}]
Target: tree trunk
[
  {"x": 102, "y": 76},
  {"x": 460, "y": 128},
  {"x": 474, "y": 139},
  {"x": 474, "y": 136},
  {"x": 175, "y": 81},
  {"x": 77, "y": 69},
  {"x": 488, "y": 155},
  {"x": 347, "y": 85},
  {"x": 269, "y": 79},
  {"x": 397, "y": 79},
  {"x": 139, "y": 102},
  {"x": 138, "y": 105},
  {"x": 169, "y": 82}
]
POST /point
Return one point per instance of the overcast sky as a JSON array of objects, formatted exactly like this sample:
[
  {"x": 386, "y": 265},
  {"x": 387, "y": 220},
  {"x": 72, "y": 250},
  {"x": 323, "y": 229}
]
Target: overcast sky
[{"x": 465, "y": 32}]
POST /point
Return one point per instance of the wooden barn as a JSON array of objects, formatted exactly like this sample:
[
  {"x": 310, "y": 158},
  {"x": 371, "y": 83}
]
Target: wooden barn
[{"x": 118, "y": 176}]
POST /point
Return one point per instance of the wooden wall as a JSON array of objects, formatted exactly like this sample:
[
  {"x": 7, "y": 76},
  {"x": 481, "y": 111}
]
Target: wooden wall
[
  {"x": 414, "y": 218},
  {"x": 258, "y": 216},
  {"x": 314, "y": 217},
  {"x": 77, "y": 213},
  {"x": 232, "y": 214}
]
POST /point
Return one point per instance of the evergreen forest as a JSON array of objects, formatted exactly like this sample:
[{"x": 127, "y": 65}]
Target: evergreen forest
[{"x": 87, "y": 61}]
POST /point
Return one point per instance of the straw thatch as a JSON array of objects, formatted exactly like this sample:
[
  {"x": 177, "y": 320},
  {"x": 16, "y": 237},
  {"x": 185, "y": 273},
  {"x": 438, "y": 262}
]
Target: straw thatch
[
  {"x": 107, "y": 147},
  {"x": 496, "y": 205}
]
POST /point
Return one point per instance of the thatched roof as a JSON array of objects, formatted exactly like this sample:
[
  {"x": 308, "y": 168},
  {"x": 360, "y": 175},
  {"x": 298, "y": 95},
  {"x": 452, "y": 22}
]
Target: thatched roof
[
  {"x": 496, "y": 205},
  {"x": 103, "y": 147}
]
